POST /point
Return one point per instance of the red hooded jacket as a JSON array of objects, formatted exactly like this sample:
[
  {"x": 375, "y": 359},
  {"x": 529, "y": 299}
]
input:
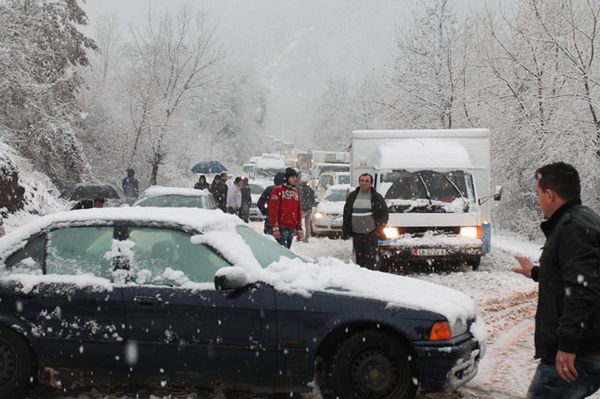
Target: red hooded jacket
[{"x": 284, "y": 208}]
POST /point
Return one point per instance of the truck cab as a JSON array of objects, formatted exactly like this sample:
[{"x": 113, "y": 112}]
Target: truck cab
[{"x": 434, "y": 183}]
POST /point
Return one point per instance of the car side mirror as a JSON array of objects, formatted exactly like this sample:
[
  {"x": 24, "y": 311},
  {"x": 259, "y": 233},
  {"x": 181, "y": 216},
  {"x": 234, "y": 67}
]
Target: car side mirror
[
  {"x": 498, "y": 193},
  {"x": 231, "y": 278}
]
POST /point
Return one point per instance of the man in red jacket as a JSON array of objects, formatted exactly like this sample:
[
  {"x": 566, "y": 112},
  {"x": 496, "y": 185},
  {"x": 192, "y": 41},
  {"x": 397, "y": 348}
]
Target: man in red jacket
[{"x": 285, "y": 211}]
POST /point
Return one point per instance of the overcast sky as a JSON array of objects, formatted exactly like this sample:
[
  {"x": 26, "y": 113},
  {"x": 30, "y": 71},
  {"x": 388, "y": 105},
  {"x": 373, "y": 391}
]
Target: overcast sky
[{"x": 294, "y": 46}]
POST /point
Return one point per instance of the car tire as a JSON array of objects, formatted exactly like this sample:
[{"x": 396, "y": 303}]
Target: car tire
[
  {"x": 17, "y": 366},
  {"x": 371, "y": 364},
  {"x": 474, "y": 262}
]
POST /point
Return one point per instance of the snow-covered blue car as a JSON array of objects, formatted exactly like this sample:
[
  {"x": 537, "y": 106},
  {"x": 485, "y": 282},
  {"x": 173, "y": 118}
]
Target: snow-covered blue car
[{"x": 191, "y": 296}]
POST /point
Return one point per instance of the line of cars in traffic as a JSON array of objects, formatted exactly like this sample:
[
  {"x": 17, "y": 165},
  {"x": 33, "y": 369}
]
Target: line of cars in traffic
[{"x": 151, "y": 295}]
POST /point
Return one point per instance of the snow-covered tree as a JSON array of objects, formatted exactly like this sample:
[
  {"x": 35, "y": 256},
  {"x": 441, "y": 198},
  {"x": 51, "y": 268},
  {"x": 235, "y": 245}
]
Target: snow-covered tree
[{"x": 40, "y": 48}]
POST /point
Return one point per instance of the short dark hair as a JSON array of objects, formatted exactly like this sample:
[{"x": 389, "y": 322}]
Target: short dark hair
[
  {"x": 366, "y": 174},
  {"x": 561, "y": 178}
]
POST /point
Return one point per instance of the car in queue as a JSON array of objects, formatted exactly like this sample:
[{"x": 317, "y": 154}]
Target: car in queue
[
  {"x": 184, "y": 296},
  {"x": 327, "y": 219},
  {"x": 176, "y": 197}
]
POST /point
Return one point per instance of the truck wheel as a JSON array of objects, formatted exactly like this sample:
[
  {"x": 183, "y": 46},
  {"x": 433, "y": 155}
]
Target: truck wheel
[
  {"x": 17, "y": 368},
  {"x": 372, "y": 365},
  {"x": 474, "y": 262}
]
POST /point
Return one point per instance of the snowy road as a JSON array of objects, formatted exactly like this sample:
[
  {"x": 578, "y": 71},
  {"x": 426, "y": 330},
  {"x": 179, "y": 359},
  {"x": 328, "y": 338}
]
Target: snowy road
[{"x": 505, "y": 300}]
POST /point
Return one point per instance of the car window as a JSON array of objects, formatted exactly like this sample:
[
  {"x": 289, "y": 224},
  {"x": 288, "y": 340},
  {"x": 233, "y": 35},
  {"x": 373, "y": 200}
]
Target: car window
[
  {"x": 28, "y": 259},
  {"x": 157, "y": 249},
  {"x": 79, "y": 250},
  {"x": 264, "y": 250},
  {"x": 323, "y": 181}
]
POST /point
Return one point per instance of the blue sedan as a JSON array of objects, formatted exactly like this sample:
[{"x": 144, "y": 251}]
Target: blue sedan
[{"x": 194, "y": 297}]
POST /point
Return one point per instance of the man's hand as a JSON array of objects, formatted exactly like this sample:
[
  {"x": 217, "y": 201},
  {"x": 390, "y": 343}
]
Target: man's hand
[
  {"x": 276, "y": 234},
  {"x": 299, "y": 235},
  {"x": 565, "y": 366},
  {"x": 525, "y": 268}
]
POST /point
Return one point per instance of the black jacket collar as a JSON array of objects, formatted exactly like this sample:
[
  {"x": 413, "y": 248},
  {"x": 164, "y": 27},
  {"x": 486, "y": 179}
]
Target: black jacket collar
[{"x": 548, "y": 225}]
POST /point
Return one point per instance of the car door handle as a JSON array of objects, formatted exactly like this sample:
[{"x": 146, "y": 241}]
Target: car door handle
[{"x": 145, "y": 300}]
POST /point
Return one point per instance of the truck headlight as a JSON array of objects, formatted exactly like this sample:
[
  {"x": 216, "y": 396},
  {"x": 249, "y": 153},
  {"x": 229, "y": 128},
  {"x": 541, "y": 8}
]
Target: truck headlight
[
  {"x": 391, "y": 233},
  {"x": 470, "y": 232},
  {"x": 318, "y": 215}
]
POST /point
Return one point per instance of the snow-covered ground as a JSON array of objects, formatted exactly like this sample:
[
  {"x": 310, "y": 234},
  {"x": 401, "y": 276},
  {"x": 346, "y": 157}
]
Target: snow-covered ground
[{"x": 504, "y": 299}]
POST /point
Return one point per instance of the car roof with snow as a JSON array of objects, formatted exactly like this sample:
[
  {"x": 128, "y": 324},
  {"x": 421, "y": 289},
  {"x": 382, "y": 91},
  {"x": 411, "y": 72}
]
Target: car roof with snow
[
  {"x": 157, "y": 191},
  {"x": 338, "y": 187},
  {"x": 193, "y": 218},
  {"x": 422, "y": 153}
]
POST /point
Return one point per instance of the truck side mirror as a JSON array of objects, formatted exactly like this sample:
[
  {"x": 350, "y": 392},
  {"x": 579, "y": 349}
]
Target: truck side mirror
[{"x": 498, "y": 193}]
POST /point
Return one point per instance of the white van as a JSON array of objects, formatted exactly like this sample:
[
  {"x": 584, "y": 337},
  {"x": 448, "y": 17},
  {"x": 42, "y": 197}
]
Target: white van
[{"x": 435, "y": 184}]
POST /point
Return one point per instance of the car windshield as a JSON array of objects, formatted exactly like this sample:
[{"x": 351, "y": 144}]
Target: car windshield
[
  {"x": 177, "y": 201},
  {"x": 344, "y": 179},
  {"x": 429, "y": 187},
  {"x": 249, "y": 169},
  {"x": 267, "y": 172},
  {"x": 335, "y": 195},
  {"x": 256, "y": 188},
  {"x": 264, "y": 250}
]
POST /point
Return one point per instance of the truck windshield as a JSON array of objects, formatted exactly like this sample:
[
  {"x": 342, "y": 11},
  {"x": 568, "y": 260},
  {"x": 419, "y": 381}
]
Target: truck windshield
[{"x": 427, "y": 191}]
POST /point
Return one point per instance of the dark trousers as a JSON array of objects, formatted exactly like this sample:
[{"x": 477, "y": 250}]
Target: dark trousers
[
  {"x": 547, "y": 384},
  {"x": 366, "y": 249},
  {"x": 287, "y": 236}
]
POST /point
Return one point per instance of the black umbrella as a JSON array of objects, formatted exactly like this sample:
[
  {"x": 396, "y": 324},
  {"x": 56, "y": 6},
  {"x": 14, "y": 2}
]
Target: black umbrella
[
  {"x": 209, "y": 167},
  {"x": 93, "y": 191}
]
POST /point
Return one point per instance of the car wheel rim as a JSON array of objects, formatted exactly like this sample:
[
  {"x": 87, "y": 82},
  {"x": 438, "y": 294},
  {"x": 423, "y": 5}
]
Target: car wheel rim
[
  {"x": 8, "y": 363},
  {"x": 375, "y": 374}
]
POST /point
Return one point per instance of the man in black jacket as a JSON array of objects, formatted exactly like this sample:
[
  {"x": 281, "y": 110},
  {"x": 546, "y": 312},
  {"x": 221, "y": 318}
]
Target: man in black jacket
[
  {"x": 567, "y": 321},
  {"x": 365, "y": 217},
  {"x": 263, "y": 201}
]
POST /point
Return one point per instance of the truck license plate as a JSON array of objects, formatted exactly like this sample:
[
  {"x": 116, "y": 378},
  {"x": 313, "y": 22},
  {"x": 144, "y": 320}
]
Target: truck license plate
[{"x": 429, "y": 251}]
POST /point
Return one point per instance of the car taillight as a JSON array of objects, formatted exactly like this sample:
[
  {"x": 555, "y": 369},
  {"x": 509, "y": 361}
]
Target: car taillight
[{"x": 440, "y": 331}]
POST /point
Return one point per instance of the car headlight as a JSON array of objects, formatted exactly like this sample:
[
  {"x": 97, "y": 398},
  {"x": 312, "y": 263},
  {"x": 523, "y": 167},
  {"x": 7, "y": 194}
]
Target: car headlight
[
  {"x": 391, "y": 233},
  {"x": 470, "y": 232},
  {"x": 318, "y": 215}
]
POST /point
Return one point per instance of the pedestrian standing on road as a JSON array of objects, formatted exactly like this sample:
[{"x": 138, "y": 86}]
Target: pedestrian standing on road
[
  {"x": 246, "y": 200},
  {"x": 567, "y": 320},
  {"x": 263, "y": 201},
  {"x": 219, "y": 192},
  {"x": 130, "y": 186},
  {"x": 307, "y": 198},
  {"x": 234, "y": 197},
  {"x": 365, "y": 217},
  {"x": 201, "y": 184},
  {"x": 285, "y": 212}
]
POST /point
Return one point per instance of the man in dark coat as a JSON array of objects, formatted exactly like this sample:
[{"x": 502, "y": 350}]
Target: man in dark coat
[
  {"x": 244, "y": 213},
  {"x": 307, "y": 198},
  {"x": 219, "y": 192},
  {"x": 263, "y": 201},
  {"x": 130, "y": 186},
  {"x": 365, "y": 217},
  {"x": 567, "y": 321}
]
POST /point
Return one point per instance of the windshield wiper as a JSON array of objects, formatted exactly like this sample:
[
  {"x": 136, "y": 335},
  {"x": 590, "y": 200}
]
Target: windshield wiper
[
  {"x": 426, "y": 188},
  {"x": 466, "y": 207}
]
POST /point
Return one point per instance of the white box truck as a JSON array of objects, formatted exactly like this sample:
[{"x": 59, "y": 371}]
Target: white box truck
[{"x": 436, "y": 184}]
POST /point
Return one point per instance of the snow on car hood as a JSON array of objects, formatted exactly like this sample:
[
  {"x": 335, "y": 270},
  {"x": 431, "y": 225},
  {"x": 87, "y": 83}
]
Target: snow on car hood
[
  {"x": 331, "y": 207},
  {"x": 333, "y": 276}
]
